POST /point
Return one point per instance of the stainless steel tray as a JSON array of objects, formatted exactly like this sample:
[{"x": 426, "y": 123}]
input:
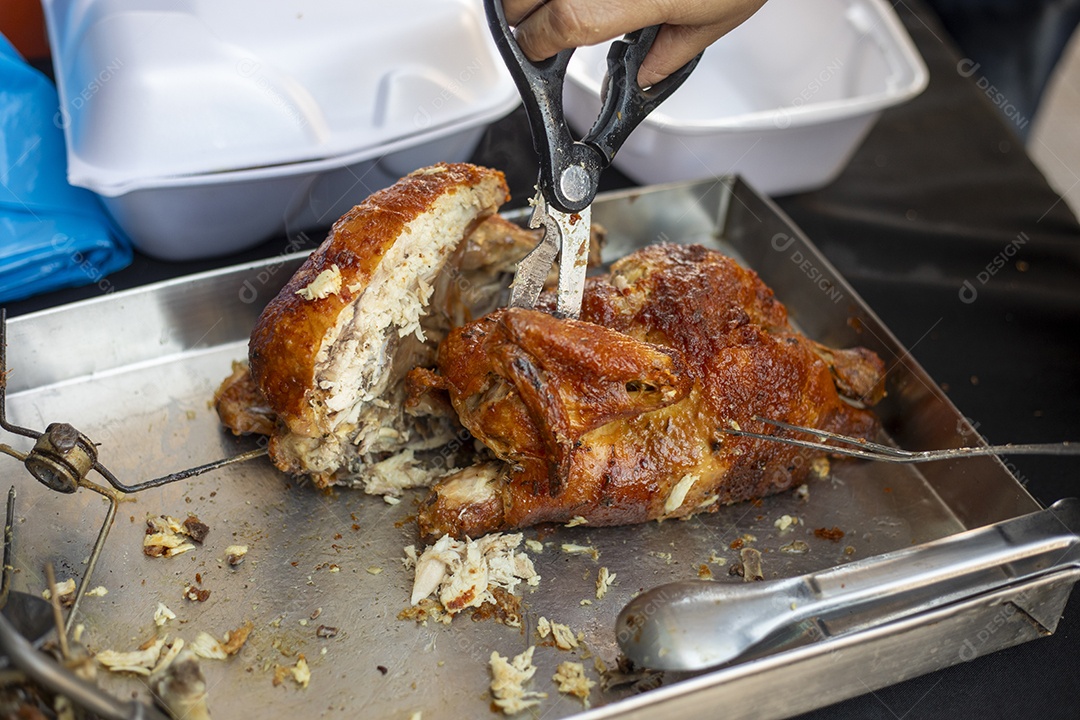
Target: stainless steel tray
[{"x": 136, "y": 370}]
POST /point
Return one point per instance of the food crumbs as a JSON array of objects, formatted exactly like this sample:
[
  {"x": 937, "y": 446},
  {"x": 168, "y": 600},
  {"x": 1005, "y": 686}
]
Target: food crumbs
[
  {"x": 576, "y": 520},
  {"x": 162, "y": 614},
  {"x": 206, "y": 646},
  {"x": 374, "y": 570},
  {"x": 235, "y": 639},
  {"x": 234, "y": 554},
  {"x": 563, "y": 636},
  {"x": 604, "y": 579},
  {"x": 796, "y": 547},
  {"x": 65, "y": 590},
  {"x": 784, "y": 522},
  {"x": 751, "y": 562},
  {"x": 301, "y": 673},
  {"x": 835, "y": 535},
  {"x": 535, "y": 545},
  {"x": 508, "y": 678},
  {"x": 571, "y": 680},
  {"x": 575, "y": 549},
  {"x": 196, "y": 594}
]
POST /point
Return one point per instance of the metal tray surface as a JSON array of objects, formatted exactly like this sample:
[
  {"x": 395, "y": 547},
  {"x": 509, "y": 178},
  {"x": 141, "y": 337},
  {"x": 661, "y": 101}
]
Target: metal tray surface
[{"x": 135, "y": 371}]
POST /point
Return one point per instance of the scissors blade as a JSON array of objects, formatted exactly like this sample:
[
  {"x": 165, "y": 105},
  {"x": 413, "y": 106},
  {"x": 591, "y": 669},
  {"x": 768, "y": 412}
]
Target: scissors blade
[
  {"x": 573, "y": 259},
  {"x": 533, "y": 269},
  {"x": 566, "y": 236}
]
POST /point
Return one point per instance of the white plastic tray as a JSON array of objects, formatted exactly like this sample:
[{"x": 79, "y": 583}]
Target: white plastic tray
[
  {"x": 208, "y": 126},
  {"x": 783, "y": 100}
]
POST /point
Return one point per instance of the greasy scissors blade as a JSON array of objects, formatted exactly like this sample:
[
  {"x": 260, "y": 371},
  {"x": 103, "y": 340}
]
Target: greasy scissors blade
[
  {"x": 573, "y": 259},
  {"x": 565, "y": 235}
]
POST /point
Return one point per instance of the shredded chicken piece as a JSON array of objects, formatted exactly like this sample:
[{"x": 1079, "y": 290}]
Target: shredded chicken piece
[
  {"x": 508, "y": 678},
  {"x": 168, "y": 537},
  {"x": 604, "y": 579},
  {"x": 463, "y": 573},
  {"x": 301, "y": 673},
  {"x": 206, "y": 646},
  {"x": 561, "y": 634},
  {"x": 65, "y": 590},
  {"x": 163, "y": 614},
  {"x": 169, "y": 655},
  {"x": 575, "y": 549},
  {"x": 326, "y": 283},
  {"x": 571, "y": 679},
  {"x": 139, "y": 662}
]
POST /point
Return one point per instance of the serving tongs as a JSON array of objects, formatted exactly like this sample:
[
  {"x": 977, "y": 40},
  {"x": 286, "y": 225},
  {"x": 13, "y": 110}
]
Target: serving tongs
[
  {"x": 696, "y": 625},
  {"x": 569, "y": 169}
]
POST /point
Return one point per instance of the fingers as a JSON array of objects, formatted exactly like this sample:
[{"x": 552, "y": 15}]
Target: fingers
[
  {"x": 676, "y": 45},
  {"x": 518, "y": 10},
  {"x": 556, "y": 25},
  {"x": 543, "y": 28}
]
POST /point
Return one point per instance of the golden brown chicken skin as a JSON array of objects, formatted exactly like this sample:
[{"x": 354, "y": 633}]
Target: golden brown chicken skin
[{"x": 618, "y": 418}]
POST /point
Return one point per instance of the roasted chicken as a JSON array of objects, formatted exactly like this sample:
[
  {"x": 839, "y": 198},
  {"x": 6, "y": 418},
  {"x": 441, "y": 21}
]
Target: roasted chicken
[{"x": 619, "y": 417}]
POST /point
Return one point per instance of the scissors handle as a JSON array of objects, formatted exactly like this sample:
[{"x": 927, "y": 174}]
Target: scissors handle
[{"x": 569, "y": 169}]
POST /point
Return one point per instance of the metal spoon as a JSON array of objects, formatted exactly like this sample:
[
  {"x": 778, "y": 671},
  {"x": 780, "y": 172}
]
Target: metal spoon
[
  {"x": 695, "y": 625},
  {"x": 30, "y": 616}
]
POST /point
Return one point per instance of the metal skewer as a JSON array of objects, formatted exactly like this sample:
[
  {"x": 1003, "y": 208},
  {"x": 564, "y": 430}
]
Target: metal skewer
[
  {"x": 860, "y": 448},
  {"x": 62, "y": 457}
]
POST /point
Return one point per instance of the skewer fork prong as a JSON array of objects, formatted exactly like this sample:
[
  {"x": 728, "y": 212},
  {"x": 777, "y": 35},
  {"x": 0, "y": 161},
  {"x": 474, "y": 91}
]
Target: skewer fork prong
[{"x": 860, "y": 448}]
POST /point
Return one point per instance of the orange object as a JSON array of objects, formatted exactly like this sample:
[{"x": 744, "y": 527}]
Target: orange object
[{"x": 23, "y": 23}]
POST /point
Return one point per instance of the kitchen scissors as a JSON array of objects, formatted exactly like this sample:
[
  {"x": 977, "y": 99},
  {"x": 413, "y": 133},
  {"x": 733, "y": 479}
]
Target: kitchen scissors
[{"x": 570, "y": 169}]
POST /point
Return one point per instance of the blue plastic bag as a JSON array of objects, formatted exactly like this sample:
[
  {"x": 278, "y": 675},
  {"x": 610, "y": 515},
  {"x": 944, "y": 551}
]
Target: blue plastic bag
[{"x": 52, "y": 235}]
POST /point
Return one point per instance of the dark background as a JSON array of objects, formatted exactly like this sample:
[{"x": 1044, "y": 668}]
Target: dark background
[{"x": 939, "y": 188}]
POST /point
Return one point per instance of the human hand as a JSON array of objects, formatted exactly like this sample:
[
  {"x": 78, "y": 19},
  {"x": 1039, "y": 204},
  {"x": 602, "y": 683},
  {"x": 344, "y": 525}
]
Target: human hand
[{"x": 544, "y": 27}]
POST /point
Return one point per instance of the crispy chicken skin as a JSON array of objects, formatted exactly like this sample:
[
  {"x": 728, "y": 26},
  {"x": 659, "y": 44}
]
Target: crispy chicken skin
[{"x": 618, "y": 417}]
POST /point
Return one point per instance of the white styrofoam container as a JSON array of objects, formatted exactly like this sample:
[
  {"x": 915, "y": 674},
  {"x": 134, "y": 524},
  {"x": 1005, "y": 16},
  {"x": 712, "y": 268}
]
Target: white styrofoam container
[
  {"x": 207, "y": 126},
  {"x": 783, "y": 100}
]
